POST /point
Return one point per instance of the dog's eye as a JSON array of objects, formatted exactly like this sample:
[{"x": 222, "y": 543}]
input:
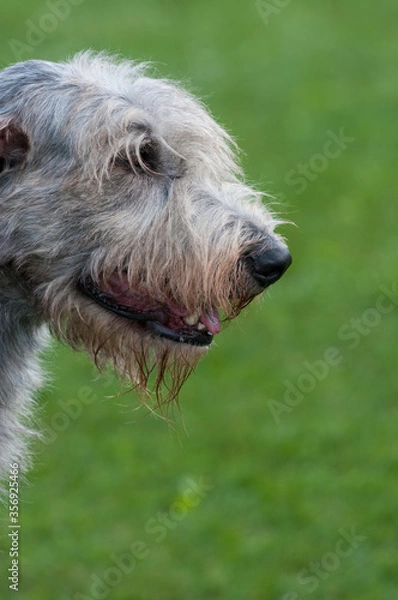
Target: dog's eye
[
  {"x": 140, "y": 158},
  {"x": 149, "y": 154}
]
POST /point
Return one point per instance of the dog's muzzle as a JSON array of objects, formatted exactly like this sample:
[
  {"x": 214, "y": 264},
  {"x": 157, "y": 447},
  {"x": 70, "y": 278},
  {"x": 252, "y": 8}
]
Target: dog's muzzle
[{"x": 171, "y": 320}]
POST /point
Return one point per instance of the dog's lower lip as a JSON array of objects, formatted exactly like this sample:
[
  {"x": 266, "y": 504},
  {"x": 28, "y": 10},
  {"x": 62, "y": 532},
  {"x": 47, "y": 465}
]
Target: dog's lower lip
[
  {"x": 191, "y": 337},
  {"x": 196, "y": 339}
]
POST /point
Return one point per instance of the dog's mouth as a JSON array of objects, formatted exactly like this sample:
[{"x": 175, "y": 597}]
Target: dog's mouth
[{"x": 167, "y": 320}]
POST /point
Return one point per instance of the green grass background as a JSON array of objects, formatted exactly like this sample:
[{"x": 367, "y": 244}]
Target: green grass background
[{"x": 276, "y": 495}]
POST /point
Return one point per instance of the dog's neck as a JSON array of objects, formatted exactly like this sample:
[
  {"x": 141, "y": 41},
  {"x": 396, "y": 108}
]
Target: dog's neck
[{"x": 22, "y": 336}]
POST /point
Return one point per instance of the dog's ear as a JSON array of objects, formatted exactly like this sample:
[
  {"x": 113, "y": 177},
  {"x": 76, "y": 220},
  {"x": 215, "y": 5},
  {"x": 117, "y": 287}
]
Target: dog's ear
[{"x": 14, "y": 145}]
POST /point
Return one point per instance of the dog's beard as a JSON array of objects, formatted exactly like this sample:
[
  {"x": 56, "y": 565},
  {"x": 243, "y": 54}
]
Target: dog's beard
[{"x": 156, "y": 367}]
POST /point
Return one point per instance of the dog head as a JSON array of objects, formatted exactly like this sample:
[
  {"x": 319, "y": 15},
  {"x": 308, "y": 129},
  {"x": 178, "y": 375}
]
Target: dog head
[{"x": 125, "y": 215}]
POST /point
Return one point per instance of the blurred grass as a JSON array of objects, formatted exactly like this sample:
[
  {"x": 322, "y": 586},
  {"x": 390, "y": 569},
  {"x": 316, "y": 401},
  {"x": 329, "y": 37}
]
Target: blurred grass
[{"x": 279, "y": 493}]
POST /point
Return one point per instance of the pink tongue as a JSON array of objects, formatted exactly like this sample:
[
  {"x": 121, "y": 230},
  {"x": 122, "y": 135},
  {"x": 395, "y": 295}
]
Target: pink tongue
[{"x": 211, "y": 320}]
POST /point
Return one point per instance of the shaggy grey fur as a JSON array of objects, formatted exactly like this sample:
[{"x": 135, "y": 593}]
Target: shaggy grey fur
[{"x": 125, "y": 226}]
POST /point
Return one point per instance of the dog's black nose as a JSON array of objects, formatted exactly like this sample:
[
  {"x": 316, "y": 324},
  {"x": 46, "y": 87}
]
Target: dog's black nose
[{"x": 269, "y": 265}]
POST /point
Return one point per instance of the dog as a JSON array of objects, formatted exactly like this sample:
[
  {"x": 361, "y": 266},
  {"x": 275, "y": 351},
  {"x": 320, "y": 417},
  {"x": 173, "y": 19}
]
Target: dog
[{"x": 127, "y": 229}]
